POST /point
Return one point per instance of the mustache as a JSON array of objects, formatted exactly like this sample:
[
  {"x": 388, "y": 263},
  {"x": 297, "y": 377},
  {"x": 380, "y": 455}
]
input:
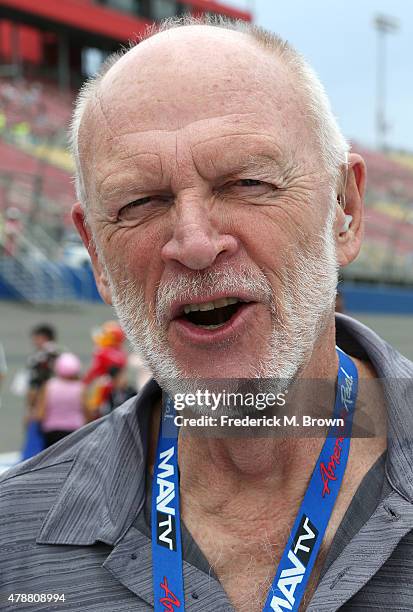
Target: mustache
[{"x": 226, "y": 280}]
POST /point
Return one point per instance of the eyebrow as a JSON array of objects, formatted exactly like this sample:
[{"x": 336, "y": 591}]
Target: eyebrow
[
  {"x": 149, "y": 165},
  {"x": 264, "y": 165}
]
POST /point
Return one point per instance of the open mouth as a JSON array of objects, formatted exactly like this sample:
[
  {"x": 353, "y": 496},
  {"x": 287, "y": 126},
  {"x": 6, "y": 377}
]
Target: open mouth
[{"x": 212, "y": 315}]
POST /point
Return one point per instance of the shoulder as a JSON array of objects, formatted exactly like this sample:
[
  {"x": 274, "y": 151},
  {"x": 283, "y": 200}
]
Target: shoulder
[
  {"x": 395, "y": 375},
  {"x": 31, "y": 486},
  {"x": 48, "y": 468},
  {"x": 76, "y": 479},
  {"x": 64, "y": 509},
  {"x": 53, "y": 507},
  {"x": 28, "y": 492},
  {"x": 362, "y": 342}
]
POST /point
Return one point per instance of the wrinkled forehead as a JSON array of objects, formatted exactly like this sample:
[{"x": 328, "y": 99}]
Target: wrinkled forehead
[{"x": 209, "y": 77}]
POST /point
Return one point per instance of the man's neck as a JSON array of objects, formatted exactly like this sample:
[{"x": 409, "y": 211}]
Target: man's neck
[
  {"x": 215, "y": 472},
  {"x": 224, "y": 474},
  {"x": 235, "y": 482}
]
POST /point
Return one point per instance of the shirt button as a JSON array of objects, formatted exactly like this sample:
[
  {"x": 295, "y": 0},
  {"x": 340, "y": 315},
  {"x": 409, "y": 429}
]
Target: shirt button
[
  {"x": 133, "y": 556},
  {"x": 195, "y": 595}
]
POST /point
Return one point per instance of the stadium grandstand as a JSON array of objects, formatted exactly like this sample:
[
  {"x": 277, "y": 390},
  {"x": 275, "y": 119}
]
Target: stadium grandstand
[
  {"x": 387, "y": 252},
  {"x": 47, "y": 49}
]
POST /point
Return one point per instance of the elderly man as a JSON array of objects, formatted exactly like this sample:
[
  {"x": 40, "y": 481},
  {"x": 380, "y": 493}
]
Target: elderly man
[{"x": 217, "y": 198}]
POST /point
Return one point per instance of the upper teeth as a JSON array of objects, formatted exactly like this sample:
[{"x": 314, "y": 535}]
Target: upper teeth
[{"x": 211, "y": 305}]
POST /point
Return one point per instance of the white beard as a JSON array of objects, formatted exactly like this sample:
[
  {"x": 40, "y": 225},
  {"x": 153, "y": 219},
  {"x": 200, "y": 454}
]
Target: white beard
[
  {"x": 299, "y": 314},
  {"x": 310, "y": 289}
]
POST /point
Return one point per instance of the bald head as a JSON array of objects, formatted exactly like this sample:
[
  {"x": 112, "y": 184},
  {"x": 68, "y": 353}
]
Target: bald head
[
  {"x": 182, "y": 74},
  {"x": 195, "y": 66},
  {"x": 196, "y": 72}
]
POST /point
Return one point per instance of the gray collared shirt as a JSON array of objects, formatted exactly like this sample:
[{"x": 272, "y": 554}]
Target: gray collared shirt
[{"x": 69, "y": 516}]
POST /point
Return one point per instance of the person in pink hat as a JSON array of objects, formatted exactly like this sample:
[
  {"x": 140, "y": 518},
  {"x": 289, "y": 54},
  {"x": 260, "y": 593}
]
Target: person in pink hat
[{"x": 61, "y": 404}]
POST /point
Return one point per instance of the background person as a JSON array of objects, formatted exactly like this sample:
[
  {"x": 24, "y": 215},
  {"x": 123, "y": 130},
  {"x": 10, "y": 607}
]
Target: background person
[
  {"x": 39, "y": 368},
  {"x": 13, "y": 228},
  {"x": 41, "y": 363},
  {"x": 109, "y": 352},
  {"x": 60, "y": 407}
]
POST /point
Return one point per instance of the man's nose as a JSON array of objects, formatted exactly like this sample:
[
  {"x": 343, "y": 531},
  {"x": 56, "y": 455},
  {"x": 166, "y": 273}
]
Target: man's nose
[{"x": 196, "y": 243}]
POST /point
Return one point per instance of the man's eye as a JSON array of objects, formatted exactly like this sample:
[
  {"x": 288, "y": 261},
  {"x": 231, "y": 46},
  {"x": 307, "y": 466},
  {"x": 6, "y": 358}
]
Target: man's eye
[
  {"x": 254, "y": 186},
  {"x": 248, "y": 183},
  {"x": 137, "y": 207},
  {"x": 142, "y": 201}
]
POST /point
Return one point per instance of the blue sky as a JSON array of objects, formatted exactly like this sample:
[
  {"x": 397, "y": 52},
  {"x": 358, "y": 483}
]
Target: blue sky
[{"x": 340, "y": 42}]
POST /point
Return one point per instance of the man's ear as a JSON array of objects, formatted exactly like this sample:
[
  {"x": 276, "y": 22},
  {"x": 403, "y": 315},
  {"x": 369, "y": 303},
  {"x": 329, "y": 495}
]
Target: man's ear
[
  {"x": 79, "y": 219},
  {"x": 350, "y": 215}
]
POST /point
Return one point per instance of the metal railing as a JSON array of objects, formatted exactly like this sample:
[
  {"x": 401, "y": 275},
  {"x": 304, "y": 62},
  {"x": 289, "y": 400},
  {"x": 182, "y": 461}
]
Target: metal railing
[
  {"x": 33, "y": 277},
  {"x": 36, "y": 284}
]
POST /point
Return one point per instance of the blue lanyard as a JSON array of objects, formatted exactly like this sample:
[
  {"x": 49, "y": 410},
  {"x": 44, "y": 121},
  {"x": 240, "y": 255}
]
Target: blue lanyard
[
  {"x": 300, "y": 553},
  {"x": 168, "y": 582}
]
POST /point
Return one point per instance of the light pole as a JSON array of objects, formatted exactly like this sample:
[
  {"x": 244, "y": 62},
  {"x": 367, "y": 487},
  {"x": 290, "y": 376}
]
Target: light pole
[
  {"x": 384, "y": 25},
  {"x": 251, "y": 8}
]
